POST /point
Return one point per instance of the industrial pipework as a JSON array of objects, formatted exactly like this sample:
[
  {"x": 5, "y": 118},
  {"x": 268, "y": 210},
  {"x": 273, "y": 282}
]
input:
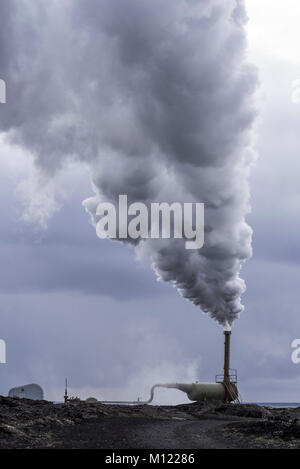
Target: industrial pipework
[{"x": 224, "y": 389}]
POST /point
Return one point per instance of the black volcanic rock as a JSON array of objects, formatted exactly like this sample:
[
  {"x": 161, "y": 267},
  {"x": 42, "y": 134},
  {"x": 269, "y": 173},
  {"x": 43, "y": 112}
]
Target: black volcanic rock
[{"x": 79, "y": 424}]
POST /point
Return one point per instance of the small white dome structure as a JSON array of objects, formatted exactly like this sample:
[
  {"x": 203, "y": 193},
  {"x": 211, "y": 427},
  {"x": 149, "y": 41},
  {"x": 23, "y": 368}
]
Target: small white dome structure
[
  {"x": 28, "y": 391},
  {"x": 91, "y": 400}
]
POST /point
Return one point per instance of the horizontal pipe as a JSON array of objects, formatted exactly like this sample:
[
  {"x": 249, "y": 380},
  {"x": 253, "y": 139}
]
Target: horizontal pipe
[{"x": 195, "y": 392}]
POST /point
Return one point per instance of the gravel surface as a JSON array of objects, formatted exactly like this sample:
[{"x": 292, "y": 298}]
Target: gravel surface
[{"x": 42, "y": 424}]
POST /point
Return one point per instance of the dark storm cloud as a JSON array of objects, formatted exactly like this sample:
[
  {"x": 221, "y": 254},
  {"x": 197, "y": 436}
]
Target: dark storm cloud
[
  {"x": 66, "y": 257},
  {"x": 275, "y": 180},
  {"x": 42, "y": 268}
]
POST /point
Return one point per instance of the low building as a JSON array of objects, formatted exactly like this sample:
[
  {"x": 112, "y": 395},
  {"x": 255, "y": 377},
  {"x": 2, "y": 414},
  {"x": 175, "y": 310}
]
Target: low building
[{"x": 28, "y": 391}]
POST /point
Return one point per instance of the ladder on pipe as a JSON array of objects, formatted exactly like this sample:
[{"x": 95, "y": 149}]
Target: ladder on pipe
[
  {"x": 232, "y": 380},
  {"x": 231, "y": 392}
]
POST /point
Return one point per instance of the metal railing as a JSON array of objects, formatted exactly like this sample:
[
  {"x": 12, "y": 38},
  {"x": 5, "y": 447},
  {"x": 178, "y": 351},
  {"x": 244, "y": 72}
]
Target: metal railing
[{"x": 232, "y": 376}]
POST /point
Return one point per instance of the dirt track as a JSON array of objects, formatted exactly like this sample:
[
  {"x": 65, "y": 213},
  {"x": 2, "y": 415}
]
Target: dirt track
[
  {"x": 128, "y": 433},
  {"x": 41, "y": 424}
]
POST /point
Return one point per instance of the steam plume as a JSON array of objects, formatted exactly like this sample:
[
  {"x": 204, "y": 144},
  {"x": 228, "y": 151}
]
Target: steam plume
[{"x": 157, "y": 98}]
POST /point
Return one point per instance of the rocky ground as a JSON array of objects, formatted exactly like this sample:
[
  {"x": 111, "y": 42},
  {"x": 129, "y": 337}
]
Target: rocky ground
[{"x": 42, "y": 424}]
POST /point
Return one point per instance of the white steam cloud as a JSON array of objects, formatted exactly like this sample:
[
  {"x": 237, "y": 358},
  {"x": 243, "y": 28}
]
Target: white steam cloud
[{"x": 157, "y": 98}]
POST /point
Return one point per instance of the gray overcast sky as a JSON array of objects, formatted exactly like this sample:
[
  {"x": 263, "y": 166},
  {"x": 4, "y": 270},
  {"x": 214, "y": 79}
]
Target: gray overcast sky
[{"x": 79, "y": 307}]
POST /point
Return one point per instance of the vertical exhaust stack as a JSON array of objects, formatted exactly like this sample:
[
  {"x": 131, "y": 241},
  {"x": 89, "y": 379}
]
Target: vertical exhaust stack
[
  {"x": 227, "y": 335},
  {"x": 229, "y": 380},
  {"x": 66, "y": 397}
]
